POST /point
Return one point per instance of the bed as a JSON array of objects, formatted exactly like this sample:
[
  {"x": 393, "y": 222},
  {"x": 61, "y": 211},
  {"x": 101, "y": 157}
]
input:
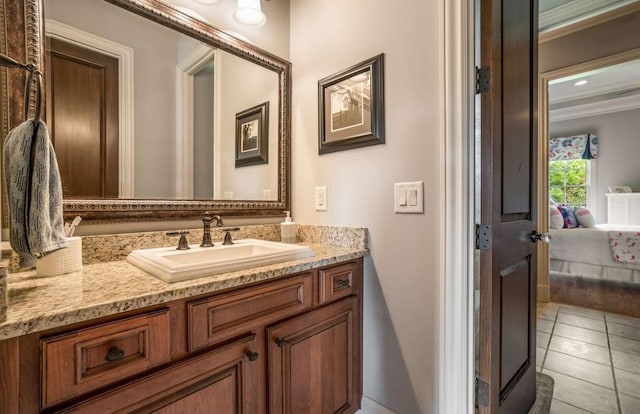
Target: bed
[
  {"x": 586, "y": 252},
  {"x": 582, "y": 270}
]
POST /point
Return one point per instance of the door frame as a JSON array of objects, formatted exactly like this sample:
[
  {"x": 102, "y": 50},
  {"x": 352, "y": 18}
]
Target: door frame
[
  {"x": 456, "y": 346},
  {"x": 126, "y": 119},
  {"x": 544, "y": 287}
]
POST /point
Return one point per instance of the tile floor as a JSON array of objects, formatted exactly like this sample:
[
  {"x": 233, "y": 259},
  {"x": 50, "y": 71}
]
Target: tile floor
[{"x": 594, "y": 358}]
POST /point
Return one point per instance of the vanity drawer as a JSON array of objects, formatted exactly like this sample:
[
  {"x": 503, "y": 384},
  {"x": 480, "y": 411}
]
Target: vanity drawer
[
  {"x": 83, "y": 360},
  {"x": 221, "y": 317},
  {"x": 336, "y": 282}
]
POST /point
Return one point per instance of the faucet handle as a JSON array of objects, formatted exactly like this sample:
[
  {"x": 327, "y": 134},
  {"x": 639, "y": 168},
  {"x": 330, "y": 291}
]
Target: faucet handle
[
  {"x": 182, "y": 244},
  {"x": 227, "y": 235}
]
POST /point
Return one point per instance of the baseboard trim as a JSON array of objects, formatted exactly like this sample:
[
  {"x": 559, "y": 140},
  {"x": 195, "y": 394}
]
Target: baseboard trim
[
  {"x": 543, "y": 293},
  {"x": 371, "y": 407}
]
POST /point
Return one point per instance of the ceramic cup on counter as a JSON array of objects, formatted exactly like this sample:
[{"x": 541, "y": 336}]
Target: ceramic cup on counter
[
  {"x": 3, "y": 294},
  {"x": 62, "y": 261}
]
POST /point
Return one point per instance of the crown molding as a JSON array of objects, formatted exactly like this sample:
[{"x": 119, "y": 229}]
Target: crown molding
[
  {"x": 626, "y": 103},
  {"x": 552, "y": 25},
  {"x": 602, "y": 90}
]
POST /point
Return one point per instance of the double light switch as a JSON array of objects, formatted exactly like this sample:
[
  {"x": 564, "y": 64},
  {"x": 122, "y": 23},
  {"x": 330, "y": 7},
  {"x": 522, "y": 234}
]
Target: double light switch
[{"x": 409, "y": 197}]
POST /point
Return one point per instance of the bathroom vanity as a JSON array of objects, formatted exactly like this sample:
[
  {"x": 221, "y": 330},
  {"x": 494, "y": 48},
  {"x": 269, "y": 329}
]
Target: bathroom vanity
[{"x": 285, "y": 338}]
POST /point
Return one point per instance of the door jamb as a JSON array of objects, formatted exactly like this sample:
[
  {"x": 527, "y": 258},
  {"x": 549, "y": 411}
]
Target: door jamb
[
  {"x": 456, "y": 347},
  {"x": 544, "y": 289}
]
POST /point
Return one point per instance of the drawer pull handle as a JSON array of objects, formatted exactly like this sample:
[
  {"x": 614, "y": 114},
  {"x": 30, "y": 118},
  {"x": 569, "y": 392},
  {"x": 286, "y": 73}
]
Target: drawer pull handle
[
  {"x": 252, "y": 355},
  {"x": 343, "y": 282},
  {"x": 114, "y": 354},
  {"x": 280, "y": 342}
]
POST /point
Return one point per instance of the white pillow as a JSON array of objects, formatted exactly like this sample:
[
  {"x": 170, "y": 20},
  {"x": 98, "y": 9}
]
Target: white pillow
[
  {"x": 555, "y": 218},
  {"x": 552, "y": 203},
  {"x": 584, "y": 217}
]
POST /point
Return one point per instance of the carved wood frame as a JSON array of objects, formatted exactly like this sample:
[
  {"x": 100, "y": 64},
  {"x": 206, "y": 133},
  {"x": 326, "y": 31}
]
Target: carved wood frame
[{"x": 23, "y": 40}]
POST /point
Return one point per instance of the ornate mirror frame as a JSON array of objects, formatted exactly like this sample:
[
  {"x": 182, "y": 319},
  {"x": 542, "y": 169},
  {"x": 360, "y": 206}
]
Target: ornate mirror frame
[{"x": 22, "y": 38}]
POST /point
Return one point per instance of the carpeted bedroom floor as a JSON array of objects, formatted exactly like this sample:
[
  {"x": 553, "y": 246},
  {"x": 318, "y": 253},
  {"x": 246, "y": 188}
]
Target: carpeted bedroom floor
[{"x": 593, "y": 357}]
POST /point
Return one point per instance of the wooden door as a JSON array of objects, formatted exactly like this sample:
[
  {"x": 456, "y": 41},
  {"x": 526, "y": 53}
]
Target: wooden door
[
  {"x": 82, "y": 113},
  {"x": 228, "y": 380},
  {"x": 508, "y": 205},
  {"x": 314, "y": 361}
]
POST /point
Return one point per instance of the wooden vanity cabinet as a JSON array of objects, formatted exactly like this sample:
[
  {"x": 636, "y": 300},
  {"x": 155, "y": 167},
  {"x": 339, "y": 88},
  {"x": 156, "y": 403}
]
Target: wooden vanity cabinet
[
  {"x": 224, "y": 380},
  {"x": 289, "y": 345}
]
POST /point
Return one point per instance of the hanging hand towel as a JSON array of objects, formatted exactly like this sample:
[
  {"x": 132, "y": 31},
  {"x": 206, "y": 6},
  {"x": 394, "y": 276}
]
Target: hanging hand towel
[{"x": 34, "y": 193}]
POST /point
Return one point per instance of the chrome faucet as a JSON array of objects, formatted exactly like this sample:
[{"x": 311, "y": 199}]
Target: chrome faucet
[{"x": 206, "y": 231}]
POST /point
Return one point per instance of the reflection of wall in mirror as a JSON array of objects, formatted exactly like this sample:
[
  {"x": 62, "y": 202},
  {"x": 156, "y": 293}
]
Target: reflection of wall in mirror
[{"x": 245, "y": 86}]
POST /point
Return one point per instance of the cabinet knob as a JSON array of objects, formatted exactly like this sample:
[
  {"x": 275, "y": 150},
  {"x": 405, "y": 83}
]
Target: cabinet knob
[
  {"x": 280, "y": 342},
  {"x": 114, "y": 354},
  {"x": 252, "y": 355},
  {"x": 343, "y": 282}
]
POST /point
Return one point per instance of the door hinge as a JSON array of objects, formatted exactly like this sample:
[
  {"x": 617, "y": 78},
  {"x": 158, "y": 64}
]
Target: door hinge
[
  {"x": 482, "y": 393},
  {"x": 482, "y": 79},
  {"x": 483, "y": 237}
]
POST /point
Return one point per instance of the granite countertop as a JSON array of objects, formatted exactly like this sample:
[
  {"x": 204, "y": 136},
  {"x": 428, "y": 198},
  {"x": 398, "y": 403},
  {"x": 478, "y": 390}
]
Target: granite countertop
[{"x": 101, "y": 289}]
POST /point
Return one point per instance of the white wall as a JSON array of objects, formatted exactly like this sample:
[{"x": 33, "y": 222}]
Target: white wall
[
  {"x": 619, "y": 147},
  {"x": 402, "y": 274}
]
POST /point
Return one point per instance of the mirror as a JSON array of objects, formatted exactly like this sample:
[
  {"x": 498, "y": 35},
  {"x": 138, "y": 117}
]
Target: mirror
[{"x": 186, "y": 118}]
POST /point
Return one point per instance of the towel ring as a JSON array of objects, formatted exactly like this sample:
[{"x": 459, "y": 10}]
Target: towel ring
[
  {"x": 27, "y": 89},
  {"x": 7, "y": 62}
]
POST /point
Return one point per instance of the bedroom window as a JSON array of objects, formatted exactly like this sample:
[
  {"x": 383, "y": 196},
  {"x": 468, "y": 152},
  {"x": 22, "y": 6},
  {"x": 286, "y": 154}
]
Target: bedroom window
[{"x": 569, "y": 182}]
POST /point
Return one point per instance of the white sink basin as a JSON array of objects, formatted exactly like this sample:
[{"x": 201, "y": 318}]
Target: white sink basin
[{"x": 173, "y": 265}]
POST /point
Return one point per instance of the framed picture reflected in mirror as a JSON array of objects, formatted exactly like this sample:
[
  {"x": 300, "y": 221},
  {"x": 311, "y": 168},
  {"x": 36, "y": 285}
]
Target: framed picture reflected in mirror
[{"x": 252, "y": 136}]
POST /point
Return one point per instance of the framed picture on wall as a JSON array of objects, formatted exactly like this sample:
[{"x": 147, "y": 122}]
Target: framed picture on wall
[
  {"x": 351, "y": 107},
  {"x": 252, "y": 136}
]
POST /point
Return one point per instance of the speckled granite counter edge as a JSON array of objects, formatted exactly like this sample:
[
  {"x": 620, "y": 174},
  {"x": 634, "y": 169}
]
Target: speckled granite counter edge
[
  {"x": 114, "y": 247},
  {"x": 25, "y": 323}
]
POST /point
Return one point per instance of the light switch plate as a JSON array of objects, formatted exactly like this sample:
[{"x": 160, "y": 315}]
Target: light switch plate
[
  {"x": 321, "y": 198},
  {"x": 266, "y": 194},
  {"x": 408, "y": 197}
]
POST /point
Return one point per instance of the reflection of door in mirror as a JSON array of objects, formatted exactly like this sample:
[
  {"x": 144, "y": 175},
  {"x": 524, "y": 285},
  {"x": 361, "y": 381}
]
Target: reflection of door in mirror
[
  {"x": 82, "y": 111},
  {"x": 177, "y": 102}
]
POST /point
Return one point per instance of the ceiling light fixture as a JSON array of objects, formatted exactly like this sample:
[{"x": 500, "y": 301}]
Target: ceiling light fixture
[
  {"x": 250, "y": 13},
  {"x": 580, "y": 82}
]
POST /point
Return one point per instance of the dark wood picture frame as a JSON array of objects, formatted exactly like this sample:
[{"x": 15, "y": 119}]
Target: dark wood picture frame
[
  {"x": 252, "y": 136},
  {"x": 351, "y": 107}
]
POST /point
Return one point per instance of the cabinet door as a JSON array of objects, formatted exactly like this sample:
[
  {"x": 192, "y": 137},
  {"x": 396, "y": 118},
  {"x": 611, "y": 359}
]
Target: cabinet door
[
  {"x": 227, "y": 380},
  {"x": 315, "y": 360}
]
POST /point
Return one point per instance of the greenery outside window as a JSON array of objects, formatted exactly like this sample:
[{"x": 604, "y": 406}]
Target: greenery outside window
[{"x": 570, "y": 183}]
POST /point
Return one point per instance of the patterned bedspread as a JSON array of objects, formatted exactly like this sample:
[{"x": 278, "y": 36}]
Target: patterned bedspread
[{"x": 625, "y": 246}]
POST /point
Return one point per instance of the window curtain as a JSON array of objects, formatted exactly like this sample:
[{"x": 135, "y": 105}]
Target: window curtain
[{"x": 573, "y": 148}]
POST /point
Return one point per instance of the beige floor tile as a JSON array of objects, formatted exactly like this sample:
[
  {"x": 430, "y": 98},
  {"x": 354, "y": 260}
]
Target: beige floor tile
[
  {"x": 628, "y": 362},
  {"x": 582, "y": 394},
  {"x": 544, "y": 325},
  {"x": 628, "y": 382},
  {"x": 580, "y": 349},
  {"x": 630, "y": 346},
  {"x": 542, "y": 339},
  {"x": 587, "y": 313},
  {"x": 624, "y": 330},
  {"x": 579, "y": 368},
  {"x": 559, "y": 407},
  {"x": 623, "y": 320},
  {"x": 580, "y": 334},
  {"x": 630, "y": 405},
  {"x": 547, "y": 310},
  {"x": 581, "y": 322},
  {"x": 540, "y": 355}
]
